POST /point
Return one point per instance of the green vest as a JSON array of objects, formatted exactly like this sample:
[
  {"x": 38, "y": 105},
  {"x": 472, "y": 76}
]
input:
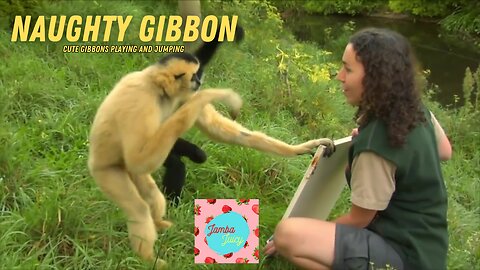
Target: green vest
[{"x": 415, "y": 221}]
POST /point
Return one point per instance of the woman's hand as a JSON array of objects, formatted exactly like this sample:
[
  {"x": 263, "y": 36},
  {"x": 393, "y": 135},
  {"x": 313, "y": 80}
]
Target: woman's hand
[
  {"x": 269, "y": 248},
  {"x": 354, "y": 132}
]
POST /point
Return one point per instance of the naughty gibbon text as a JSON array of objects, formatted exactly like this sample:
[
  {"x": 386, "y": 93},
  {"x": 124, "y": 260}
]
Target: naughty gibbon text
[{"x": 114, "y": 28}]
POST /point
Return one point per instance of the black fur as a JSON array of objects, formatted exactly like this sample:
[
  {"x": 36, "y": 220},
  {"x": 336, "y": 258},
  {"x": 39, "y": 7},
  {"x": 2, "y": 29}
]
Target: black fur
[
  {"x": 185, "y": 148},
  {"x": 184, "y": 56},
  {"x": 175, "y": 169},
  {"x": 205, "y": 53}
]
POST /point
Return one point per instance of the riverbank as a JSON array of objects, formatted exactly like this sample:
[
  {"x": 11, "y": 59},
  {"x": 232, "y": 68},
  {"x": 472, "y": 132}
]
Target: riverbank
[
  {"x": 459, "y": 22},
  {"x": 443, "y": 58}
]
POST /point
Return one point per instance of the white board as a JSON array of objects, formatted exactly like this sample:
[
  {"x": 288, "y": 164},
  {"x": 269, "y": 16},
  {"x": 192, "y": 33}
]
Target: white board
[{"x": 322, "y": 183}]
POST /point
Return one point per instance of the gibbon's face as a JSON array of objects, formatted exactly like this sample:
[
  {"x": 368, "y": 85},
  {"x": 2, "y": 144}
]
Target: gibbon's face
[
  {"x": 185, "y": 68},
  {"x": 185, "y": 73}
]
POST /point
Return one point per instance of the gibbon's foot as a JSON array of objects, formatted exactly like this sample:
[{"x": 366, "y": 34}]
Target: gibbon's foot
[
  {"x": 162, "y": 224},
  {"x": 160, "y": 264},
  {"x": 329, "y": 146},
  {"x": 142, "y": 238},
  {"x": 329, "y": 150}
]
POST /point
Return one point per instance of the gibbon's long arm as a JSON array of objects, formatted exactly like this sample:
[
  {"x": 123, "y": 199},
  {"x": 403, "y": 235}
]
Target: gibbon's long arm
[{"x": 222, "y": 129}]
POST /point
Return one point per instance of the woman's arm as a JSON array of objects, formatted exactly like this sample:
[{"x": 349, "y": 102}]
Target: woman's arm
[
  {"x": 443, "y": 143},
  {"x": 358, "y": 217}
]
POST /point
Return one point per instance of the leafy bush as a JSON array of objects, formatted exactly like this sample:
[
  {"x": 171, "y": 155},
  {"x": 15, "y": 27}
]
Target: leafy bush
[
  {"x": 457, "y": 16},
  {"x": 424, "y": 8},
  {"x": 332, "y": 7},
  {"x": 466, "y": 21},
  {"x": 10, "y": 8}
]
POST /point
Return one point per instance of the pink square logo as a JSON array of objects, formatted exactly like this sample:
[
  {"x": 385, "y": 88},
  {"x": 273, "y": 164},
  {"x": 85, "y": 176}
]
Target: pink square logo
[{"x": 226, "y": 231}]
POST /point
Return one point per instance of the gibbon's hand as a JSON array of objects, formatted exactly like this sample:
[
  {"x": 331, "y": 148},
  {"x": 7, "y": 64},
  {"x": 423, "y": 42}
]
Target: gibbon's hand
[
  {"x": 235, "y": 102},
  {"x": 308, "y": 147},
  {"x": 231, "y": 99}
]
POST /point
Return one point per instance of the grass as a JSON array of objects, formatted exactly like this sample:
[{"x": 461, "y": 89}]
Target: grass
[{"x": 52, "y": 215}]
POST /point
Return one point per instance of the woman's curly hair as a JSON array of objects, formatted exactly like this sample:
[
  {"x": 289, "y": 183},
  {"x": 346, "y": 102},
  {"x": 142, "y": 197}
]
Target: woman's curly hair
[{"x": 391, "y": 93}]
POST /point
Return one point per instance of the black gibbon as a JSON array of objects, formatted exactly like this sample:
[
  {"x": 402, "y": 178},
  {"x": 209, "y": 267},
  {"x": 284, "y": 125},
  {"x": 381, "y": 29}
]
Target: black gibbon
[
  {"x": 137, "y": 125},
  {"x": 175, "y": 169}
]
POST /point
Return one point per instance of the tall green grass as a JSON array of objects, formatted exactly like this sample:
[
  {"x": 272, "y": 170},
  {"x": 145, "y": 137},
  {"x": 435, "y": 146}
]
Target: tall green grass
[{"x": 52, "y": 215}]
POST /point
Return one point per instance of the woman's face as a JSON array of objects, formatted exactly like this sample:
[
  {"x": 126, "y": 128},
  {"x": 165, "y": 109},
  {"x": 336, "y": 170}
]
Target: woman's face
[{"x": 351, "y": 75}]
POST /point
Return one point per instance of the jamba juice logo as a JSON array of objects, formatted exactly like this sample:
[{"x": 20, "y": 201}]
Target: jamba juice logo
[{"x": 224, "y": 239}]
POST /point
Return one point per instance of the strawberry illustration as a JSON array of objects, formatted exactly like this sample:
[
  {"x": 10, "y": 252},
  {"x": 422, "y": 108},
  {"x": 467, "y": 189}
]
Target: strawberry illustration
[
  {"x": 226, "y": 209},
  {"x": 242, "y": 201},
  {"x": 196, "y": 231},
  {"x": 209, "y": 219},
  {"x": 196, "y": 251},
  {"x": 256, "y": 253},
  {"x": 246, "y": 244},
  {"x": 241, "y": 260},
  {"x": 257, "y": 232},
  {"x": 196, "y": 210},
  {"x": 256, "y": 208},
  {"x": 210, "y": 260},
  {"x": 205, "y": 239},
  {"x": 211, "y": 201},
  {"x": 228, "y": 255}
]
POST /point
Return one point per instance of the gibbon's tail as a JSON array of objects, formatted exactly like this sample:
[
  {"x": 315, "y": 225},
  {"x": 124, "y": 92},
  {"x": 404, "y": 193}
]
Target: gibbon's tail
[{"x": 205, "y": 53}]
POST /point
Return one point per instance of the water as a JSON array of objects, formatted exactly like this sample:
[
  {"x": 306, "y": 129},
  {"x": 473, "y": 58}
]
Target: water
[{"x": 446, "y": 58}]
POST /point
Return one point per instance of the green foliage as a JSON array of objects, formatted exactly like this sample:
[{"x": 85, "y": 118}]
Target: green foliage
[
  {"x": 308, "y": 81},
  {"x": 465, "y": 21},
  {"x": 461, "y": 17},
  {"x": 462, "y": 174},
  {"x": 287, "y": 5},
  {"x": 468, "y": 86},
  {"x": 424, "y": 8},
  {"x": 11, "y": 8},
  {"x": 343, "y": 6},
  {"x": 471, "y": 90},
  {"x": 331, "y": 7}
]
